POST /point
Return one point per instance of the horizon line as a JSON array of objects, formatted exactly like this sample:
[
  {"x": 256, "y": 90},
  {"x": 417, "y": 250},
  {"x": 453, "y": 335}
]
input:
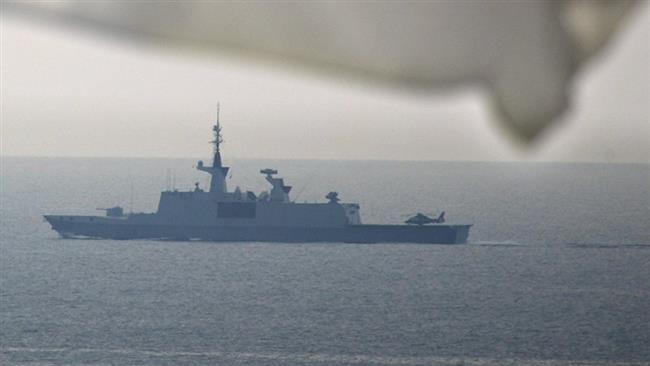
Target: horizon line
[{"x": 333, "y": 159}]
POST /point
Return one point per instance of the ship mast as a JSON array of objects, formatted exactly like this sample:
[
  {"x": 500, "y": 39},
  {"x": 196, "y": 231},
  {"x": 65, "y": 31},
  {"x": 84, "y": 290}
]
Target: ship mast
[
  {"x": 218, "y": 140},
  {"x": 217, "y": 170}
]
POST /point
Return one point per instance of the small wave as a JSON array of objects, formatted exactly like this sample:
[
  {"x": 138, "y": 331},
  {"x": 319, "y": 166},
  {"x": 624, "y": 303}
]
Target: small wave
[
  {"x": 329, "y": 359},
  {"x": 496, "y": 243},
  {"x": 607, "y": 245}
]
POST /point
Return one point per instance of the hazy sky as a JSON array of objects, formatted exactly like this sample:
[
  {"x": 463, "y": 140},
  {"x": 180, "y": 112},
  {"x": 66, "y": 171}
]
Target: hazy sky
[{"x": 65, "y": 93}]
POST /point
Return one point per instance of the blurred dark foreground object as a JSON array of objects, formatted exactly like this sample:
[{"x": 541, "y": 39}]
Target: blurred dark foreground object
[{"x": 524, "y": 52}]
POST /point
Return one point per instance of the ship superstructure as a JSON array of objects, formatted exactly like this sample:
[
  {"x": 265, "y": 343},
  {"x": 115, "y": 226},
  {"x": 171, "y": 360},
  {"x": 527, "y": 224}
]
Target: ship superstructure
[{"x": 222, "y": 215}]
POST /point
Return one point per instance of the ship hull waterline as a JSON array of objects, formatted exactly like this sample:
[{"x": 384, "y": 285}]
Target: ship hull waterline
[{"x": 68, "y": 227}]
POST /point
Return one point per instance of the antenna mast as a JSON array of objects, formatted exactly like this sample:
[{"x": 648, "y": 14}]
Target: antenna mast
[
  {"x": 218, "y": 140},
  {"x": 217, "y": 170}
]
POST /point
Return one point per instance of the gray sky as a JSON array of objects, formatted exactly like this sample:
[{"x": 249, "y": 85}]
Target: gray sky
[{"x": 65, "y": 93}]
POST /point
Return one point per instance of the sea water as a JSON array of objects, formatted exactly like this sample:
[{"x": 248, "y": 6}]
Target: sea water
[{"x": 556, "y": 271}]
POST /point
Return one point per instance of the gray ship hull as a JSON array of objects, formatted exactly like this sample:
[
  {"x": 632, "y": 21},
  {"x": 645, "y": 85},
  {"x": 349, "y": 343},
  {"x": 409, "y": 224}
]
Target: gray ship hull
[{"x": 101, "y": 227}]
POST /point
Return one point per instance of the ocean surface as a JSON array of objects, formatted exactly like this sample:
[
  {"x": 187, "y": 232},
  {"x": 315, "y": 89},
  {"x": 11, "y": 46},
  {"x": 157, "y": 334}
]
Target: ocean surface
[{"x": 557, "y": 270}]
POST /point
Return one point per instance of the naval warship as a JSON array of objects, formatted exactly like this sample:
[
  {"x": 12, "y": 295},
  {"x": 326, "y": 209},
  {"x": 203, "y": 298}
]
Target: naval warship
[{"x": 238, "y": 216}]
